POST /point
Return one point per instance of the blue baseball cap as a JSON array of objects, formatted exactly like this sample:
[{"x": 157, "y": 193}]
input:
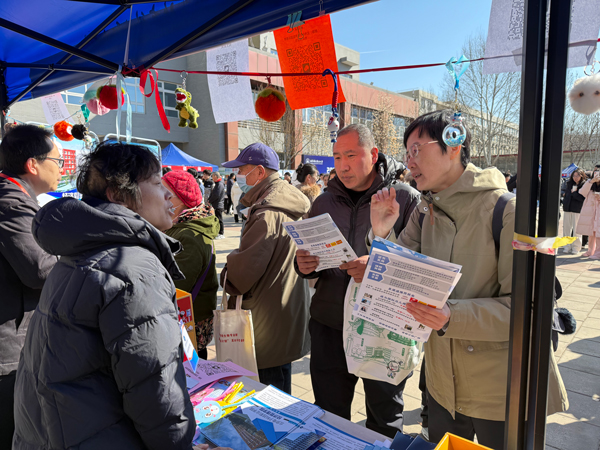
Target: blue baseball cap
[{"x": 257, "y": 154}]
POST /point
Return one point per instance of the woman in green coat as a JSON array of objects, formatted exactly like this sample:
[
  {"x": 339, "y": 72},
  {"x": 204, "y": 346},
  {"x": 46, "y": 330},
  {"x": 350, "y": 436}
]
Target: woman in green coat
[{"x": 195, "y": 226}]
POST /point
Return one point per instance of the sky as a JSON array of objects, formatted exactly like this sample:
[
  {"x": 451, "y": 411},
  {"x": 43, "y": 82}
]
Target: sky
[{"x": 406, "y": 32}]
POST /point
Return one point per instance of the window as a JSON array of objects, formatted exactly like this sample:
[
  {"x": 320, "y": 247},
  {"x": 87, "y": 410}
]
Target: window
[
  {"x": 132, "y": 86},
  {"x": 167, "y": 96},
  {"x": 315, "y": 114},
  {"x": 362, "y": 115}
]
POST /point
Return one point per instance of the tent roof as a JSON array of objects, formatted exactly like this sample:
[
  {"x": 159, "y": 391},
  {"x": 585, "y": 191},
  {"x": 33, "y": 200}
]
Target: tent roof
[
  {"x": 52, "y": 45},
  {"x": 569, "y": 170},
  {"x": 173, "y": 156}
]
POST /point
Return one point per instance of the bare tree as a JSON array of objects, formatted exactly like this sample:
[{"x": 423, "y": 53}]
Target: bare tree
[
  {"x": 489, "y": 102},
  {"x": 385, "y": 132}
]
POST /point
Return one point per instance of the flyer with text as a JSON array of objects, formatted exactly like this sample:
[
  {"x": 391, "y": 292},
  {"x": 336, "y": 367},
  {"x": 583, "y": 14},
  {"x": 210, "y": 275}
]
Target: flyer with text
[{"x": 396, "y": 276}]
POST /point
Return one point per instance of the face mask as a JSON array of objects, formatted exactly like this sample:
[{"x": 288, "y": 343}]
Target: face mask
[{"x": 241, "y": 181}]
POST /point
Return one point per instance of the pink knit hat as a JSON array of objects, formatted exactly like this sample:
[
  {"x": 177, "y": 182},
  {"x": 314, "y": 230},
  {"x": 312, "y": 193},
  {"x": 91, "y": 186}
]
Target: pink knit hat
[{"x": 184, "y": 185}]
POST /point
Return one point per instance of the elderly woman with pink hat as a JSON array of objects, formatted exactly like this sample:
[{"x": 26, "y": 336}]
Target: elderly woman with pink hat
[{"x": 195, "y": 226}]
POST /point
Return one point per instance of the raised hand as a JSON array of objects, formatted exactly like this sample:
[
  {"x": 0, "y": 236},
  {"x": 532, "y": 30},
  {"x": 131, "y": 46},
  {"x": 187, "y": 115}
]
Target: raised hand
[{"x": 385, "y": 211}]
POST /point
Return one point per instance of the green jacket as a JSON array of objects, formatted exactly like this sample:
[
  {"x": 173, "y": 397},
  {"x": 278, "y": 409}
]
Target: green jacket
[
  {"x": 467, "y": 367},
  {"x": 196, "y": 238}
]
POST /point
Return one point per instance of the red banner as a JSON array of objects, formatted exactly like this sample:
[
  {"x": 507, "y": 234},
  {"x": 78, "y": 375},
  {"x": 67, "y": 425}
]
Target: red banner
[{"x": 308, "y": 48}]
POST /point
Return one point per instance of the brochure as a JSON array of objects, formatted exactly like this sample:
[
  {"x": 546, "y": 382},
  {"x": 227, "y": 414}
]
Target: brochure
[
  {"x": 396, "y": 276},
  {"x": 209, "y": 371},
  {"x": 321, "y": 237}
]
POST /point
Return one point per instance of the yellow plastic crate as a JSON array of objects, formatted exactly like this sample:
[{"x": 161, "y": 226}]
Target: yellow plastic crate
[{"x": 452, "y": 442}]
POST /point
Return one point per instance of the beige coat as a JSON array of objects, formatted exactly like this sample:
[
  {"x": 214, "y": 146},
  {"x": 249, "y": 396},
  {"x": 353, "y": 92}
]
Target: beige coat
[
  {"x": 467, "y": 367},
  {"x": 262, "y": 269},
  {"x": 589, "y": 218}
]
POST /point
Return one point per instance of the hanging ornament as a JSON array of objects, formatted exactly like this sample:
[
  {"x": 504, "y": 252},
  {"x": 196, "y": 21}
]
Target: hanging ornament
[
  {"x": 79, "y": 131},
  {"x": 270, "y": 104},
  {"x": 107, "y": 96},
  {"x": 62, "y": 130},
  {"x": 584, "y": 96},
  {"x": 187, "y": 113},
  {"x": 455, "y": 133},
  {"x": 333, "y": 124}
]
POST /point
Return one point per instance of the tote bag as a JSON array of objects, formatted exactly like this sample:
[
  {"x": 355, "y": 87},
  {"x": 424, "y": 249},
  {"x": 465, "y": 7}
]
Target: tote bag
[
  {"x": 234, "y": 335},
  {"x": 373, "y": 352}
]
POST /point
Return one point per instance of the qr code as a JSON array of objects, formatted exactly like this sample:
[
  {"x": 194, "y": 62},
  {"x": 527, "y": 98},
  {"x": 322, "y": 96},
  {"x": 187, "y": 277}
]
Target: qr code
[
  {"x": 307, "y": 59},
  {"x": 515, "y": 26},
  {"x": 227, "y": 63}
]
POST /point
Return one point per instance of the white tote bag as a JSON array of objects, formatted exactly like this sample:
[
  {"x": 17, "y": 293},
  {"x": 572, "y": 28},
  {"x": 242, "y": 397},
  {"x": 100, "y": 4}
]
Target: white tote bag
[
  {"x": 234, "y": 335},
  {"x": 373, "y": 352}
]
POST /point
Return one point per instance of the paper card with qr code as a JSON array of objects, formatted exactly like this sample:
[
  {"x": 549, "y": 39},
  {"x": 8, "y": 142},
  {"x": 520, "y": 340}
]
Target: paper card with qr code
[
  {"x": 308, "y": 48},
  {"x": 230, "y": 95},
  {"x": 505, "y": 35}
]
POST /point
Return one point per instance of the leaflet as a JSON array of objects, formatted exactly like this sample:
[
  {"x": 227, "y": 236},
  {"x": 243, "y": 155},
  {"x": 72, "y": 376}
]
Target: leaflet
[
  {"x": 273, "y": 398},
  {"x": 335, "y": 439},
  {"x": 396, "y": 276},
  {"x": 321, "y": 237},
  {"x": 209, "y": 371}
]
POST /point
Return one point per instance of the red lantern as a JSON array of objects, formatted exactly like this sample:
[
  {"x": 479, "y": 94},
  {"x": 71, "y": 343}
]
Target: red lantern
[
  {"x": 270, "y": 105},
  {"x": 62, "y": 130}
]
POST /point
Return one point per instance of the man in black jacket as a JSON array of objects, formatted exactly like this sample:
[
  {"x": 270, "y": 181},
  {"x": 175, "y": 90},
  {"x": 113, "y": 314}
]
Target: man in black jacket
[
  {"x": 31, "y": 165},
  {"x": 217, "y": 201},
  {"x": 361, "y": 172}
]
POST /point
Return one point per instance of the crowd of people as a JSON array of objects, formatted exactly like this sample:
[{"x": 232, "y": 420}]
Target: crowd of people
[{"x": 90, "y": 346}]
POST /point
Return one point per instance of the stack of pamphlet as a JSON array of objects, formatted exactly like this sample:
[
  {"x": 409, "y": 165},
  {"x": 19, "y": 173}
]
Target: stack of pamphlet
[
  {"x": 396, "y": 276},
  {"x": 273, "y": 419}
]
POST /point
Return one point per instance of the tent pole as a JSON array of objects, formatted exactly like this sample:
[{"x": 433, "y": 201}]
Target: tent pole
[
  {"x": 57, "y": 44},
  {"x": 525, "y": 214},
  {"x": 205, "y": 28},
  {"x": 543, "y": 301}
]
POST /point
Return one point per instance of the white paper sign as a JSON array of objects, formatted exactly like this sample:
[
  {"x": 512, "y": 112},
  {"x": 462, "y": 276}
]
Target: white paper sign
[
  {"x": 231, "y": 95},
  {"x": 55, "y": 109},
  {"x": 505, "y": 35}
]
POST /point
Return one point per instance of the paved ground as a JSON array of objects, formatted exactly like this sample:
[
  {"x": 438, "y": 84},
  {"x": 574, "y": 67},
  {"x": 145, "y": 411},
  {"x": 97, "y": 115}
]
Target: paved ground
[{"x": 578, "y": 356}]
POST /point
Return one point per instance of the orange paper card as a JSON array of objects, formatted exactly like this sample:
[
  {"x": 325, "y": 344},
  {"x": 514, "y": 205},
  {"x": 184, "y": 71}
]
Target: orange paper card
[
  {"x": 308, "y": 48},
  {"x": 186, "y": 314}
]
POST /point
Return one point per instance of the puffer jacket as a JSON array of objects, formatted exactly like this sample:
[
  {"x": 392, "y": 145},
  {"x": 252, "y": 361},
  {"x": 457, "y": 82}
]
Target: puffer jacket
[
  {"x": 589, "y": 218},
  {"x": 262, "y": 269},
  {"x": 467, "y": 366},
  {"x": 354, "y": 221},
  {"x": 24, "y": 267},
  {"x": 573, "y": 201},
  {"x": 102, "y": 362}
]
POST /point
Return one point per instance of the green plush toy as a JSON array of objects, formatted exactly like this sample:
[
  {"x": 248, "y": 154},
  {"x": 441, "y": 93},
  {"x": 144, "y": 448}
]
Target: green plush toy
[{"x": 186, "y": 111}]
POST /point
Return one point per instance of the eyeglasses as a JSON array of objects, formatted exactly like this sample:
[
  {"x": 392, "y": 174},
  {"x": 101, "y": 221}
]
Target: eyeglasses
[
  {"x": 59, "y": 162},
  {"x": 413, "y": 150}
]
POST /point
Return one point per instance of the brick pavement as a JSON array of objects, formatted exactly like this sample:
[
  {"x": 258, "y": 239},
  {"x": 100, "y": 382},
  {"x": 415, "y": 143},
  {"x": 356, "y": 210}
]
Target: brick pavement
[{"x": 578, "y": 357}]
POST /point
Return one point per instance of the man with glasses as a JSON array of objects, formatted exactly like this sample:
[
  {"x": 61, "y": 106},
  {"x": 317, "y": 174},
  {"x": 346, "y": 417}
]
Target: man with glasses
[
  {"x": 361, "y": 172},
  {"x": 30, "y": 165}
]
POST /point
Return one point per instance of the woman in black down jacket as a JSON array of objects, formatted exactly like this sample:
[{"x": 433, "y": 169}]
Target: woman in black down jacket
[
  {"x": 102, "y": 363},
  {"x": 572, "y": 204}
]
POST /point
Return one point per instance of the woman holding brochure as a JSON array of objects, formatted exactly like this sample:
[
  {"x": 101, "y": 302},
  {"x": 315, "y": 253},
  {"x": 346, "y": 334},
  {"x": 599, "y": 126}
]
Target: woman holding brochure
[{"x": 467, "y": 355}]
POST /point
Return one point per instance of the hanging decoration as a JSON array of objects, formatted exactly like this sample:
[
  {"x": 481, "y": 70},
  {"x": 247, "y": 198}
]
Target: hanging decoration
[
  {"x": 91, "y": 101},
  {"x": 308, "y": 49},
  {"x": 62, "y": 130},
  {"x": 270, "y": 104},
  {"x": 107, "y": 95},
  {"x": 333, "y": 124},
  {"x": 187, "y": 113},
  {"x": 144, "y": 75},
  {"x": 584, "y": 96},
  {"x": 79, "y": 131},
  {"x": 455, "y": 132}
]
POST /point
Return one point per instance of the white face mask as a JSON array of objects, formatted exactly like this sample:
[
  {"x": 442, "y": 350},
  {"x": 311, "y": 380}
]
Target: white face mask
[{"x": 241, "y": 180}]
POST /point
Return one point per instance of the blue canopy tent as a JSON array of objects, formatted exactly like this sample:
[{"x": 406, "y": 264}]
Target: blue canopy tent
[
  {"x": 177, "y": 159},
  {"x": 569, "y": 170},
  {"x": 52, "y": 45}
]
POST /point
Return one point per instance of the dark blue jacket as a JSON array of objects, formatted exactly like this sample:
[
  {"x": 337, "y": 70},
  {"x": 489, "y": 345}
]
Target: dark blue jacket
[{"x": 102, "y": 363}]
